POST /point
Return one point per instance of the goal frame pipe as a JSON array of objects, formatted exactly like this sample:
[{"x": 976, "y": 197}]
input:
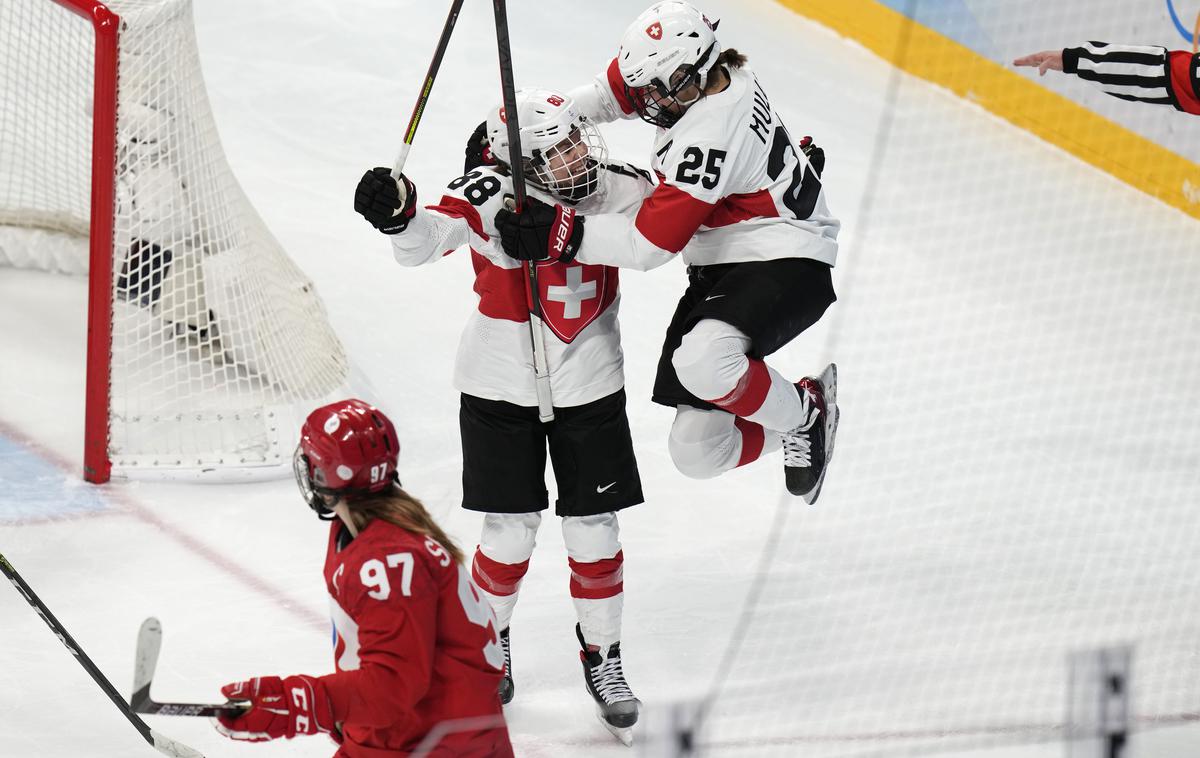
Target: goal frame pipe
[{"x": 97, "y": 466}]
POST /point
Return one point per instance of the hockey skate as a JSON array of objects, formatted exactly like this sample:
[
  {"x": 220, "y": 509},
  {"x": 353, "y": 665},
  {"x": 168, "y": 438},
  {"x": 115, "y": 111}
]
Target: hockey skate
[
  {"x": 616, "y": 706},
  {"x": 507, "y": 688},
  {"x": 808, "y": 448}
]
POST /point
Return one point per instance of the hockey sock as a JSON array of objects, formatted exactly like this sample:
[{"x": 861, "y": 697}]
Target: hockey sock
[{"x": 500, "y": 582}]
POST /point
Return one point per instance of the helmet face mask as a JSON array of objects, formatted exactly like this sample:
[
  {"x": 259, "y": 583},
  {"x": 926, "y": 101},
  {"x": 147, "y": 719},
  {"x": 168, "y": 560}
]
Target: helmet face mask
[
  {"x": 561, "y": 149},
  {"x": 348, "y": 450}
]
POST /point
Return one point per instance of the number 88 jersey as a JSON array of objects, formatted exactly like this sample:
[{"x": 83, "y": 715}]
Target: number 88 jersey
[
  {"x": 733, "y": 188},
  {"x": 415, "y": 643}
]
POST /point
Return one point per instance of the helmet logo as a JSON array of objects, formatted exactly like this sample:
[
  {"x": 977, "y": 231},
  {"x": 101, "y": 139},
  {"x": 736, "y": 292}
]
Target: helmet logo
[
  {"x": 503, "y": 118},
  {"x": 555, "y": 100},
  {"x": 332, "y": 423},
  {"x": 654, "y": 31},
  {"x": 344, "y": 472}
]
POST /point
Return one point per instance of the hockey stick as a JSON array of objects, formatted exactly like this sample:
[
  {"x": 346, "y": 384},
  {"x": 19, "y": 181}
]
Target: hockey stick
[
  {"x": 419, "y": 109},
  {"x": 149, "y": 643},
  {"x": 541, "y": 369},
  {"x": 160, "y": 743}
]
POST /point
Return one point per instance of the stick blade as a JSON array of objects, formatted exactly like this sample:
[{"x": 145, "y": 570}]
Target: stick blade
[
  {"x": 168, "y": 746},
  {"x": 149, "y": 643}
]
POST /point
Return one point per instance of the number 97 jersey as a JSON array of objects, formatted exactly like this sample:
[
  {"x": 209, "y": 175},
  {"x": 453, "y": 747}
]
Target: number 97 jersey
[{"x": 415, "y": 644}]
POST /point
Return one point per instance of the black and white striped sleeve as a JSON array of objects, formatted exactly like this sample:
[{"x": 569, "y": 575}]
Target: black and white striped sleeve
[{"x": 1130, "y": 72}]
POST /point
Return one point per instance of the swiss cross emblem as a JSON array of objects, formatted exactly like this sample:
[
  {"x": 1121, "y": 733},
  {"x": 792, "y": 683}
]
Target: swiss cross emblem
[
  {"x": 654, "y": 30},
  {"x": 574, "y": 295}
]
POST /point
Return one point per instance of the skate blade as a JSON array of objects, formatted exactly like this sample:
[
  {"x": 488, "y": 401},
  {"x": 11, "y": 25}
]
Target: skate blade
[
  {"x": 830, "y": 435},
  {"x": 623, "y": 733}
]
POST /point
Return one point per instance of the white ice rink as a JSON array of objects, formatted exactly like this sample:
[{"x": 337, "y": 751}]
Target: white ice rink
[{"x": 1015, "y": 474}]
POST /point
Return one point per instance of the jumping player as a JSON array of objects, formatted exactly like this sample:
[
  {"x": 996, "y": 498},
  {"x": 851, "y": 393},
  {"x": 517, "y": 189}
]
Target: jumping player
[
  {"x": 504, "y": 443},
  {"x": 746, "y": 208},
  {"x": 416, "y": 645}
]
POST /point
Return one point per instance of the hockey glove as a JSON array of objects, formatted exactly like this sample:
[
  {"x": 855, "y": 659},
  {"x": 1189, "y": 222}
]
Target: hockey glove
[
  {"x": 540, "y": 232},
  {"x": 479, "y": 150},
  {"x": 815, "y": 155},
  {"x": 389, "y": 205},
  {"x": 278, "y": 708}
]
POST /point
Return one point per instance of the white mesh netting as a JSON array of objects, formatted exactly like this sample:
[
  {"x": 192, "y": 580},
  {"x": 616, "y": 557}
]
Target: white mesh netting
[
  {"x": 216, "y": 332},
  {"x": 1018, "y": 337}
]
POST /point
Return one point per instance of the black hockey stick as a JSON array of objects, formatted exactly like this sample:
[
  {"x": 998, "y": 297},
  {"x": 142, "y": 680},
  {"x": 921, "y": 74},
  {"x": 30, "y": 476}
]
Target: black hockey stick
[
  {"x": 160, "y": 743},
  {"x": 149, "y": 643},
  {"x": 419, "y": 109},
  {"x": 541, "y": 369}
]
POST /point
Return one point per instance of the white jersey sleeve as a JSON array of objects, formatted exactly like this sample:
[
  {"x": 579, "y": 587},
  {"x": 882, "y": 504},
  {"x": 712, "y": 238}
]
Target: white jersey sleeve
[
  {"x": 463, "y": 216},
  {"x": 604, "y": 98}
]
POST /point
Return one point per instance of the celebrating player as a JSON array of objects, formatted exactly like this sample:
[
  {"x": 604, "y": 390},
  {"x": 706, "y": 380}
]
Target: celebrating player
[
  {"x": 760, "y": 243},
  {"x": 503, "y": 441},
  {"x": 416, "y": 645},
  {"x": 1145, "y": 73}
]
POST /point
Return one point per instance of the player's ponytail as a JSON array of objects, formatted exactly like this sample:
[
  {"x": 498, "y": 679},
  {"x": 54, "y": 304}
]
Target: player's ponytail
[
  {"x": 402, "y": 509},
  {"x": 731, "y": 58}
]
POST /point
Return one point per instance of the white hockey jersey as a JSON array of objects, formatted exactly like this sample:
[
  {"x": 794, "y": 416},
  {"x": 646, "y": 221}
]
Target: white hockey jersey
[
  {"x": 733, "y": 185},
  {"x": 579, "y": 301}
]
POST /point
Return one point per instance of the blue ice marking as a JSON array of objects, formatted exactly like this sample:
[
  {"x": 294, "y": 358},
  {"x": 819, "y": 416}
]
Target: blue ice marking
[{"x": 33, "y": 488}]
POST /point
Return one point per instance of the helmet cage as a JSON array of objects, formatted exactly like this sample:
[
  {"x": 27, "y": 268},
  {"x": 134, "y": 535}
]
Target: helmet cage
[
  {"x": 552, "y": 132},
  {"x": 569, "y": 169}
]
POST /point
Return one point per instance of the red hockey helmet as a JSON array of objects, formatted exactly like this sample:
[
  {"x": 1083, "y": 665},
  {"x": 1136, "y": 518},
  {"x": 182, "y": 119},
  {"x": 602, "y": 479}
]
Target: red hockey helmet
[{"x": 347, "y": 449}]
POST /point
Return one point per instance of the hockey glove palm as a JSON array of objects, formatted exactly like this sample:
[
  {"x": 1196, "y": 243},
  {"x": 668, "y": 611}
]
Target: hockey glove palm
[
  {"x": 388, "y": 204},
  {"x": 278, "y": 708},
  {"x": 479, "y": 150},
  {"x": 540, "y": 232},
  {"x": 815, "y": 155}
]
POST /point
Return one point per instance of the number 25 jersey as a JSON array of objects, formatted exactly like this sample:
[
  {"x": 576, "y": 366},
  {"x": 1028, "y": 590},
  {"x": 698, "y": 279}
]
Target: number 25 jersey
[{"x": 733, "y": 185}]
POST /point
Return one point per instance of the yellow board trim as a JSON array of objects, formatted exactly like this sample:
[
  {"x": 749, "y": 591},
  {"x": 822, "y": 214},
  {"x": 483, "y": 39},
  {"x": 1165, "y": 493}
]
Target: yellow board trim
[{"x": 923, "y": 52}]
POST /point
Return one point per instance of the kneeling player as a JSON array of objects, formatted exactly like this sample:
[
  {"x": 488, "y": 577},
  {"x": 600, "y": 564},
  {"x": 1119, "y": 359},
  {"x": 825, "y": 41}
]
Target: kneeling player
[
  {"x": 504, "y": 443},
  {"x": 416, "y": 646}
]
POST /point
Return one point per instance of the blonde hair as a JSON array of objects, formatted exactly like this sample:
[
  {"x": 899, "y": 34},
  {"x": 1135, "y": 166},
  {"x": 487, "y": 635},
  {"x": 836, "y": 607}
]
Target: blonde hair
[{"x": 396, "y": 506}]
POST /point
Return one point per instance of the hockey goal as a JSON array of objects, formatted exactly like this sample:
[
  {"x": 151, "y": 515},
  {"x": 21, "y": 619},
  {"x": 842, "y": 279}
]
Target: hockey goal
[{"x": 205, "y": 341}]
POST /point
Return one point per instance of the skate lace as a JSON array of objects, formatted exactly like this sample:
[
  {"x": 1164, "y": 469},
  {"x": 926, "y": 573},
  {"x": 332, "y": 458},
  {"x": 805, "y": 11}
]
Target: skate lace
[
  {"x": 610, "y": 682},
  {"x": 797, "y": 448},
  {"x": 507, "y": 656}
]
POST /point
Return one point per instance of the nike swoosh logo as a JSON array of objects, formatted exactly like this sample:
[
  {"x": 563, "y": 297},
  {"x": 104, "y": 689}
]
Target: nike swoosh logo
[
  {"x": 605, "y": 488},
  {"x": 712, "y": 297}
]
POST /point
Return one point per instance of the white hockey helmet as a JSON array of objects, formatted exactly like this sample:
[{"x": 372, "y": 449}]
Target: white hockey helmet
[
  {"x": 670, "y": 47},
  {"x": 562, "y": 149}
]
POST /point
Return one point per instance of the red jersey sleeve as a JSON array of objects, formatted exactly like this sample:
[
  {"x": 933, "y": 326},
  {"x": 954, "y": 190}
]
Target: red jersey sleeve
[{"x": 393, "y": 598}]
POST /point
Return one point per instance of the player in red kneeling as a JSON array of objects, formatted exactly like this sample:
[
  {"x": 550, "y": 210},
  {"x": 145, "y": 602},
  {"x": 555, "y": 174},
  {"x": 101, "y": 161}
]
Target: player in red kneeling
[{"x": 416, "y": 649}]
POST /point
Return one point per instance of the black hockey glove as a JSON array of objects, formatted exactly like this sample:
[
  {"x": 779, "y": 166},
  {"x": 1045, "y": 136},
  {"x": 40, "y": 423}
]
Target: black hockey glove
[
  {"x": 389, "y": 205},
  {"x": 479, "y": 150},
  {"x": 815, "y": 155},
  {"x": 540, "y": 232}
]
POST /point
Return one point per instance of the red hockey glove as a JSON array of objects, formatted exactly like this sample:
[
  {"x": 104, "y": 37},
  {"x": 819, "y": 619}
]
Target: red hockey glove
[
  {"x": 540, "y": 232},
  {"x": 278, "y": 708}
]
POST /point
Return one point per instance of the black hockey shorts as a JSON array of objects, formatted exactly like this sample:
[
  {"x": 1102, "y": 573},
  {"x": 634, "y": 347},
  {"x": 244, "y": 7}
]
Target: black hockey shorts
[
  {"x": 504, "y": 457},
  {"x": 771, "y": 302}
]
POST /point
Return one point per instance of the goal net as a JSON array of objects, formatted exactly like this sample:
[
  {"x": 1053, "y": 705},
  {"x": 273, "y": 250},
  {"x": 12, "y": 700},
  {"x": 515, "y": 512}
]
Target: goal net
[
  {"x": 206, "y": 342},
  {"x": 1015, "y": 481}
]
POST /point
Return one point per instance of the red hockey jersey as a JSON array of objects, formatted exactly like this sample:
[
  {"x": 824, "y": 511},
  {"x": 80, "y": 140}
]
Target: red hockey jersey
[{"x": 416, "y": 649}]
